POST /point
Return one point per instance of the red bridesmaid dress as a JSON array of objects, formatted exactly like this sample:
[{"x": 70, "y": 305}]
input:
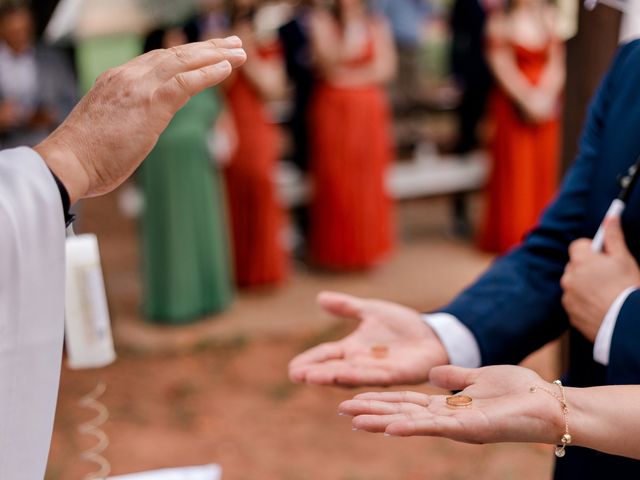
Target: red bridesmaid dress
[
  {"x": 351, "y": 212},
  {"x": 525, "y": 157},
  {"x": 257, "y": 218}
]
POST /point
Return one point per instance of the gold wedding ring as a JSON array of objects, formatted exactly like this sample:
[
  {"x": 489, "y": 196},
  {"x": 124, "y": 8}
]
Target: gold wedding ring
[
  {"x": 379, "y": 351},
  {"x": 459, "y": 401}
]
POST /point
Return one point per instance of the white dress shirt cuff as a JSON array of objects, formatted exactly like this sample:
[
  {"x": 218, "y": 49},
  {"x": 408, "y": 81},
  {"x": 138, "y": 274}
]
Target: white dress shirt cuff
[
  {"x": 602, "y": 346},
  {"x": 460, "y": 344}
]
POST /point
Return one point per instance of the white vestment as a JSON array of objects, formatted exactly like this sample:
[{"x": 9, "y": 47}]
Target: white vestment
[{"x": 32, "y": 237}]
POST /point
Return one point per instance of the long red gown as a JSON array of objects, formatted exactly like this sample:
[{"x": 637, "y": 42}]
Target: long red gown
[
  {"x": 525, "y": 155},
  {"x": 257, "y": 218},
  {"x": 351, "y": 212}
]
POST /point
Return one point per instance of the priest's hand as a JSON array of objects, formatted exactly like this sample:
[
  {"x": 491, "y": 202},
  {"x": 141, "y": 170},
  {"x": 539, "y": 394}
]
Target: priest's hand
[
  {"x": 503, "y": 408},
  {"x": 392, "y": 345},
  {"x": 593, "y": 280},
  {"x": 115, "y": 126}
]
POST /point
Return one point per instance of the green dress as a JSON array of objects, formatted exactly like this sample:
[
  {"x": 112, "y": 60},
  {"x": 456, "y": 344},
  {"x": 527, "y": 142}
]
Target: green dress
[{"x": 185, "y": 248}]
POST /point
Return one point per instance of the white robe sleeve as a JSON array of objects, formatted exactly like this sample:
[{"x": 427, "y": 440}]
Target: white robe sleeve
[{"x": 32, "y": 239}]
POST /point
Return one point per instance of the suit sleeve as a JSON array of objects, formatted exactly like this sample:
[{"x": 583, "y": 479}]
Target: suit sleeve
[
  {"x": 624, "y": 361},
  {"x": 515, "y": 308}
]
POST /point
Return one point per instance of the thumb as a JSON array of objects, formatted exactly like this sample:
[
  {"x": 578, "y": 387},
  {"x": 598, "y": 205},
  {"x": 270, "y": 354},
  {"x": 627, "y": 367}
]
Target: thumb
[
  {"x": 453, "y": 378},
  {"x": 614, "y": 242},
  {"x": 341, "y": 305}
]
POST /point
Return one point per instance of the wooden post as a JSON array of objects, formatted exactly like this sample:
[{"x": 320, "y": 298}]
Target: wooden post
[{"x": 589, "y": 55}]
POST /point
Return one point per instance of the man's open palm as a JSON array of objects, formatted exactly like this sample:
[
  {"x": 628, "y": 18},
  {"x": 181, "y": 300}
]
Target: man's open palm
[{"x": 412, "y": 347}]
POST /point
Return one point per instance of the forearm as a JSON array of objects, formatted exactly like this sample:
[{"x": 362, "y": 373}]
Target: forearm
[
  {"x": 606, "y": 419},
  {"x": 510, "y": 79}
]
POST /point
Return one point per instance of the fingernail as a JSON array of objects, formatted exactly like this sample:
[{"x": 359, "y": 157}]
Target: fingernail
[
  {"x": 355, "y": 429},
  {"x": 340, "y": 414},
  {"x": 385, "y": 434},
  {"x": 233, "y": 38},
  {"x": 237, "y": 52}
]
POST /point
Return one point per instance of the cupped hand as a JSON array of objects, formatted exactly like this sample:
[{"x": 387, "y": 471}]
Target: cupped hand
[
  {"x": 503, "y": 410},
  {"x": 413, "y": 348},
  {"x": 115, "y": 126}
]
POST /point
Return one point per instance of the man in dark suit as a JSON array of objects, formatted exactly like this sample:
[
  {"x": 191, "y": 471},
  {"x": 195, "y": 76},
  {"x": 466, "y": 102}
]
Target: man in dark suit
[
  {"x": 37, "y": 85},
  {"x": 552, "y": 283}
]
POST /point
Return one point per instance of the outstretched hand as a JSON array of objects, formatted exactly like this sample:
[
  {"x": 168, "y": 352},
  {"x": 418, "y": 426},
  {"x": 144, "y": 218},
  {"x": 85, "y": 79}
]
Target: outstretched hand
[
  {"x": 503, "y": 409},
  {"x": 115, "y": 126},
  {"x": 412, "y": 347}
]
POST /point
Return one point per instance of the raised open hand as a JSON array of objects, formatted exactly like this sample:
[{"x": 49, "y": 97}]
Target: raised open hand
[
  {"x": 411, "y": 347},
  {"x": 115, "y": 126},
  {"x": 503, "y": 409}
]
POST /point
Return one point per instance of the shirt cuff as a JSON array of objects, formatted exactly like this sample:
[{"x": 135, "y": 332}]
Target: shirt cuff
[
  {"x": 458, "y": 341},
  {"x": 602, "y": 346},
  {"x": 64, "y": 197}
]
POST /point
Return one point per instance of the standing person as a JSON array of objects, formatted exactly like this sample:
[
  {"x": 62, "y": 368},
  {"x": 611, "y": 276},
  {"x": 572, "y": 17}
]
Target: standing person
[
  {"x": 294, "y": 38},
  {"x": 473, "y": 78},
  {"x": 185, "y": 249},
  {"x": 97, "y": 147},
  {"x": 351, "y": 212},
  {"x": 526, "y": 57},
  {"x": 257, "y": 217},
  {"x": 37, "y": 85}
]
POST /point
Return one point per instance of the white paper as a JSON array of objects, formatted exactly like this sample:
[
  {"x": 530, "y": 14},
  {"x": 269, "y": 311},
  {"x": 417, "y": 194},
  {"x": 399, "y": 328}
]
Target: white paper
[{"x": 206, "y": 472}]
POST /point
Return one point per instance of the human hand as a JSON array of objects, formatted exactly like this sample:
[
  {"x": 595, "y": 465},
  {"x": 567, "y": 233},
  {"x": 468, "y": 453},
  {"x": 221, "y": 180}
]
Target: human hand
[
  {"x": 115, "y": 126},
  {"x": 413, "y": 347},
  {"x": 538, "y": 106},
  {"x": 593, "y": 280},
  {"x": 503, "y": 410}
]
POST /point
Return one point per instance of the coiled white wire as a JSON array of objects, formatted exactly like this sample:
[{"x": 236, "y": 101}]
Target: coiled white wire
[{"x": 92, "y": 427}]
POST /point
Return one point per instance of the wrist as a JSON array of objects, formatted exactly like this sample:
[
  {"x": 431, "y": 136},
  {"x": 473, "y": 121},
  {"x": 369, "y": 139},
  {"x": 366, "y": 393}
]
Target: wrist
[
  {"x": 65, "y": 165},
  {"x": 578, "y": 415},
  {"x": 555, "y": 409}
]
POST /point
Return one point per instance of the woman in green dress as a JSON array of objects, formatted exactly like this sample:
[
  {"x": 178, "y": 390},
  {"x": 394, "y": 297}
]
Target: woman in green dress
[{"x": 185, "y": 250}]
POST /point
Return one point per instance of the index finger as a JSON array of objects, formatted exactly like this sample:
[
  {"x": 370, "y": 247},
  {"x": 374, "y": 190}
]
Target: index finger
[{"x": 580, "y": 249}]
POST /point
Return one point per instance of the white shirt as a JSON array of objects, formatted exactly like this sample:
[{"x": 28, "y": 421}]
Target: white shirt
[
  {"x": 32, "y": 237},
  {"x": 463, "y": 350}
]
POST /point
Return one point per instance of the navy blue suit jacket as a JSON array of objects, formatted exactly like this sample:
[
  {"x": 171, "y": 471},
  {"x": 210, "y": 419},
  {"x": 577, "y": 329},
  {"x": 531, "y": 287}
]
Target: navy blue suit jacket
[{"x": 515, "y": 307}]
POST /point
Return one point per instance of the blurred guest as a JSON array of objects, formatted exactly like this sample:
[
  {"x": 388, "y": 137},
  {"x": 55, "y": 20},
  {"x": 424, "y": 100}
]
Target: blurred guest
[
  {"x": 407, "y": 19},
  {"x": 473, "y": 79},
  {"x": 185, "y": 250},
  {"x": 527, "y": 60},
  {"x": 351, "y": 212},
  {"x": 294, "y": 38},
  {"x": 257, "y": 218},
  {"x": 37, "y": 85}
]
